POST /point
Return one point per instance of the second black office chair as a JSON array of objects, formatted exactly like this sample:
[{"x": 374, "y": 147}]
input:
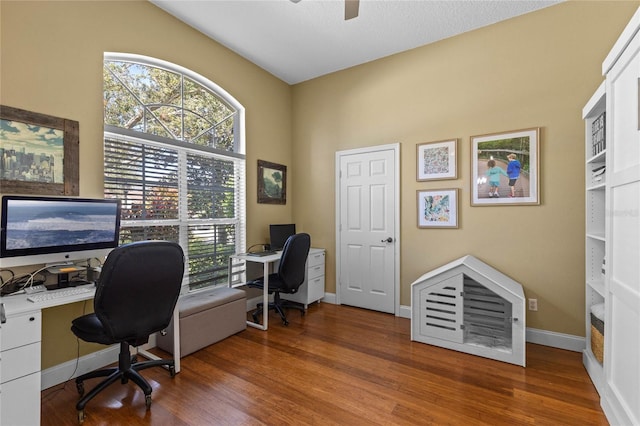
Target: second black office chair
[
  {"x": 289, "y": 277},
  {"x": 136, "y": 295}
]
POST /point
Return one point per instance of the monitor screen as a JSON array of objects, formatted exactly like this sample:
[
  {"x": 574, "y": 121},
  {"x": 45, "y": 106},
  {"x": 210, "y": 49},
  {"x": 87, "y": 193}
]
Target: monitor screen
[
  {"x": 279, "y": 234},
  {"x": 33, "y": 228}
]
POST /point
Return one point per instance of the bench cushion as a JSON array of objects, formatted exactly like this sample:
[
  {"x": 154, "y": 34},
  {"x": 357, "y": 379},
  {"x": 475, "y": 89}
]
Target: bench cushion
[{"x": 201, "y": 301}]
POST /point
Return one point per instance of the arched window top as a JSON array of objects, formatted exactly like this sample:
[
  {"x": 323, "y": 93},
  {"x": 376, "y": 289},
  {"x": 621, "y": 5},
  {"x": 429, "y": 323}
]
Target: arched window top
[{"x": 147, "y": 95}]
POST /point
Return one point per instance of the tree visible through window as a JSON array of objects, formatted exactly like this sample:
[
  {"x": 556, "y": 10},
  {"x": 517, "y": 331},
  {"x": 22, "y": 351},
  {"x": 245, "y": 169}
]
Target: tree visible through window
[{"x": 173, "y": 154}]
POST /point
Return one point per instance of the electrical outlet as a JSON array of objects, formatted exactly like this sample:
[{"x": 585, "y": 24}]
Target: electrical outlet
[{"x": 533, "y": 304}]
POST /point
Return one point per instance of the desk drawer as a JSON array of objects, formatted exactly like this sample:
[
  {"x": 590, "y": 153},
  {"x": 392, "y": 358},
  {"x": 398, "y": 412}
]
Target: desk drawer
[
  {"x": 21, "y": 401},
  {"x": 315, "y": 289},
  {"x": 21, "y": 330},
  {"x": 315, "y": 259},
  {"x": 23, "y": 361},
  {"x": 315, "y": 272}
]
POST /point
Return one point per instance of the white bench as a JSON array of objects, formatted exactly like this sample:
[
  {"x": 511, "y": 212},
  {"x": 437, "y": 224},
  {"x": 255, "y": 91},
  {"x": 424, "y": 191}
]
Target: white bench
[{"x": 207, "y": 317}]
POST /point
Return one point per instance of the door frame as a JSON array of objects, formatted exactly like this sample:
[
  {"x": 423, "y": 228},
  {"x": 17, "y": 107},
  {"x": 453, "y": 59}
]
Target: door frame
[{"x": 395, "y": 147}]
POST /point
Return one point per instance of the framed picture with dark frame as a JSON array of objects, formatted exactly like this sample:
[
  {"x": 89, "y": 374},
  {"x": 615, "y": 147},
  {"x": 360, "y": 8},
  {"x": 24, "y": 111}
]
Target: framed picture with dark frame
[
  {"x": 437, "y": 208},
  {"x": 436, "y": 160},
  {"x": 272, "y": 183},
  {"x": 505, "y": 168},
  {"x": 41, "y": 153}
]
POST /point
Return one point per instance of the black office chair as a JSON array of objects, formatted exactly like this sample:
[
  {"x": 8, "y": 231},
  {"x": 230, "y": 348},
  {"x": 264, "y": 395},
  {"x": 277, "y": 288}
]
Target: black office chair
[
  {"x": 135, "y": 297},
  {"x": 289, "y": 277}
]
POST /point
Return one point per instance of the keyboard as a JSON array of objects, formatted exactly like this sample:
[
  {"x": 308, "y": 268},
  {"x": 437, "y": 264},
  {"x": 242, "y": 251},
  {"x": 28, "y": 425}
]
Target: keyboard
[
  {"x": 262, "y": 253},
  {"x": 58, "y": 294}
]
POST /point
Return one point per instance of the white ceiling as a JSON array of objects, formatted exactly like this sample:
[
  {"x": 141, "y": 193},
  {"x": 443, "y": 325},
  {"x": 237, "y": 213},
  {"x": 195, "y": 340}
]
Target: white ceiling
[{"x": 300, "y": 41}]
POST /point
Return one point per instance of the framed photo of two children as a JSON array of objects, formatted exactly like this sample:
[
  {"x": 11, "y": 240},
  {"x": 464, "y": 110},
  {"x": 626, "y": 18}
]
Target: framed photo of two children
[{"x": 505, "y": 168}]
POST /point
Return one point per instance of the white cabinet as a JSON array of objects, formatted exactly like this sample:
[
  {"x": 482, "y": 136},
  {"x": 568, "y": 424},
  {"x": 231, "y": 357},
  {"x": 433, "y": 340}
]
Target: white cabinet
[
  {"x": 313, "y": 287},
  {"x": 618, "y": 380},
  {"x": 20, "y": 350},
  {"x": 621, "y": 400}
]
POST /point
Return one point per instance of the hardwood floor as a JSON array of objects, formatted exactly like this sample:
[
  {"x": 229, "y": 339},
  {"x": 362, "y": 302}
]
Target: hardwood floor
[{"x": 343, "y": 366}]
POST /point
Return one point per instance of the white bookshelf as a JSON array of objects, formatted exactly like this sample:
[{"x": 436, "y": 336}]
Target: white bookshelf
[{"x": 595, "y": 223}]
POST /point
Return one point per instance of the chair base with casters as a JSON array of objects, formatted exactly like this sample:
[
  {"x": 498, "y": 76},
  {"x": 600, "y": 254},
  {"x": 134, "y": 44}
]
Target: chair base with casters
[
  {"x": 279, "y": 305},
  {"x": 126, "y": 370}
]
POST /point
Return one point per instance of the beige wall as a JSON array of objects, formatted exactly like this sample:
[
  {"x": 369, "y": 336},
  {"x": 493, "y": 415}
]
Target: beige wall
[
  {"x": 537, "y": 70},
  {"x": 51, "y": 59}
]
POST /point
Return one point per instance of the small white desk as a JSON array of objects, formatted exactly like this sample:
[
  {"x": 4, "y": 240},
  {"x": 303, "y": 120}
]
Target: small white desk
[
  {"x": 20, "y": 374},
  {"x": 266, "y": 262}
]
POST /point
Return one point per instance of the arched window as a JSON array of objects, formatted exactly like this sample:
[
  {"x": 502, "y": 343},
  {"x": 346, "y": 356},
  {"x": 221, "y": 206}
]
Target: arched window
[{"x": 174, "y": 155}]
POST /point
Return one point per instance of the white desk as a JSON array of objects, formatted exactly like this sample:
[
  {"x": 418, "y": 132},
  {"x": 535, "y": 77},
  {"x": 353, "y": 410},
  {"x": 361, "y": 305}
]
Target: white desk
[
  {"x": 266, "y": 262},
  {"x": 311, "y": 290},
  {"x": 20, "y": 374}
]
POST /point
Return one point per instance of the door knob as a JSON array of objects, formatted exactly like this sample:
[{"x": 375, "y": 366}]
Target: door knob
[{"x": 388, "y": 240}]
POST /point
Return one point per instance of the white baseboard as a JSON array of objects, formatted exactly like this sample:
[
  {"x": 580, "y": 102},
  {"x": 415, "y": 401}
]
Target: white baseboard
[
  {"x": 568, "y": 342},
  {"x": 405, "y": 312},
  {"x": 76, "y": 367},
  {"x": 330, "y": 298}
]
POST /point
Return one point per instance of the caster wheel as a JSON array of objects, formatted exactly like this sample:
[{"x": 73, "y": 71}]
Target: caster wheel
[
  {"x": 80, "y": 416},
  {"x": 80, "y": 388},
  {"x": 255, "y": 318},
  {"x": 285, "y": 323},
  {"x": 172, "y": 371},
  {"x": 147, "y": 399}
]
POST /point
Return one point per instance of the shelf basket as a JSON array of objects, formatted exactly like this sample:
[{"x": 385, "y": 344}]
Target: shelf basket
[{"x": 597, "y": 332}]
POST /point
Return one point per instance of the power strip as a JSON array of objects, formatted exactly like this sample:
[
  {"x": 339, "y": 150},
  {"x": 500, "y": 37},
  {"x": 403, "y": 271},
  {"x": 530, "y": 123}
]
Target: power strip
[{"x": 35, "y": 289}]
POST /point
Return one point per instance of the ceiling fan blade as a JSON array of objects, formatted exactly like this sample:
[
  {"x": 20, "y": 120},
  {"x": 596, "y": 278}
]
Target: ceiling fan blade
[{"x": 351, "y": 9}]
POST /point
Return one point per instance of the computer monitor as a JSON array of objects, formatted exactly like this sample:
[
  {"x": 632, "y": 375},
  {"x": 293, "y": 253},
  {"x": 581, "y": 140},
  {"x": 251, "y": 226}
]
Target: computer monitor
[
  {"x": 278, "y": 234},
  {"x": 37, "y": 230}
]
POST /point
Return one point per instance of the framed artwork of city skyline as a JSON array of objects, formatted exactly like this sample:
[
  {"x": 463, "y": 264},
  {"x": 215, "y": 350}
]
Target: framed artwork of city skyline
[{"x": 39, "y": 153}]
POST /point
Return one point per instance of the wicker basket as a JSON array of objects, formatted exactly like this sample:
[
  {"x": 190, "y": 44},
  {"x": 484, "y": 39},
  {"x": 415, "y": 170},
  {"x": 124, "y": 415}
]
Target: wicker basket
[{"x": 597, "y": 338}]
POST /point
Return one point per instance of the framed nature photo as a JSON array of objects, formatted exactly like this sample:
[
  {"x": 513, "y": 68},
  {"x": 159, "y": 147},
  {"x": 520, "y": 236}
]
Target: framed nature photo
[
  {"x": 437, "y": 160},
  {"x": 40, "y": 153},
  {"x": 272, "y": 183},
  {"x": 438, "y": 208},
  {"x": 505, "y": 168}
]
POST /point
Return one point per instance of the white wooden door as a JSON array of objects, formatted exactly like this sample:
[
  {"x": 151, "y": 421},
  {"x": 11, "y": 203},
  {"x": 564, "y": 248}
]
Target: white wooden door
[{"x": 367, "y": 236}]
